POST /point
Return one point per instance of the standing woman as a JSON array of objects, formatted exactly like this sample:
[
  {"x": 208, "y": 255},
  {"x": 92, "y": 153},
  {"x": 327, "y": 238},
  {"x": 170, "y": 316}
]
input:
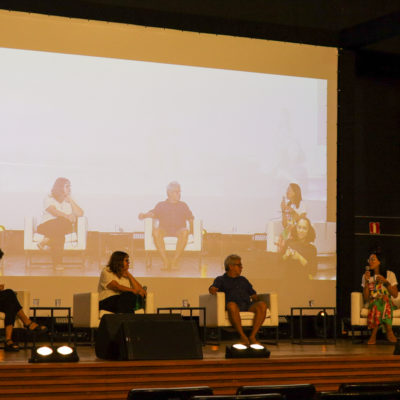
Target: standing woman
[
  {"x": 379, "y": 289},
  {"x": 11, "y": 307},
  {"x": 119, "y": 291},
  {"x": 59, "y": 218}
]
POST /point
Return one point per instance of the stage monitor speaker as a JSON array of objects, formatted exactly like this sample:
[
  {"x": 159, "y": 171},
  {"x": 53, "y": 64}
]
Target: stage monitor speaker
[{"x": 147, "y": 337}]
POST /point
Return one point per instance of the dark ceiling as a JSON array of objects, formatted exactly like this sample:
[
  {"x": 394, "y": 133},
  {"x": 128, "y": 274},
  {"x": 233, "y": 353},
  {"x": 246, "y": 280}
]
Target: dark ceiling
[{"x": 372, "y": 25}]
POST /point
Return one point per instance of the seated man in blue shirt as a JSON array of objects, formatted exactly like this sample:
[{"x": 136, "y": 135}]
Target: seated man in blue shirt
[
  {"x": 239, "y": 296},
  {"x": 173, "y": 215}
]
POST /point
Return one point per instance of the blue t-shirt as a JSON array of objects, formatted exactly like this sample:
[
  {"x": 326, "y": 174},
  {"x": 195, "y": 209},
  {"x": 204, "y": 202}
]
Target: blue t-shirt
[
  {"x": 172, "y": 216},
  {"x": 237, "y": 289}
]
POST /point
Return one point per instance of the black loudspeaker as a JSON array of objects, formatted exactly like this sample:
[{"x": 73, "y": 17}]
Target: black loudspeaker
[{"x": 147, "y": 337}]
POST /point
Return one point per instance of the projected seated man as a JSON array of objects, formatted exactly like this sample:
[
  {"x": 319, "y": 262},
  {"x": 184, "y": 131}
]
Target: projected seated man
[
  {"x": 173, "y": 215},
  {"x": 239, "y": 296}
]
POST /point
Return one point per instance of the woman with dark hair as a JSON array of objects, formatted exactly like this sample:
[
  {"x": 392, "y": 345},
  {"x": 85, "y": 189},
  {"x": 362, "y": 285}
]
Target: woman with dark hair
[
  {"x": 58, "y": 219},
  {"x": 299, "y": 250},
  {"x": 292, "y": 206},
  {"x": 379, "y": 289},
  {"x": 10, "y": 306},
  {"x": 119, "y": 291}
]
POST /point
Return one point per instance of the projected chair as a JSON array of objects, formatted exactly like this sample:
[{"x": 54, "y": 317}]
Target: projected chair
[
  {"x": 194, "y": 243},
  {"x": 75, "y": 242},
  {"x": 359, "y": 313},
  {"x": 291, "y": 392},
  {"x": 217, "y": 316},
  {"x": 176, "y": 393},
  {"x": 86, "y": 313}
]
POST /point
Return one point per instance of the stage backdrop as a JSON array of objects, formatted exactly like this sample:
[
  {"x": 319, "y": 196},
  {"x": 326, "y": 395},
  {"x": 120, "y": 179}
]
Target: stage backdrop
[{"x": 123, "y": 110}]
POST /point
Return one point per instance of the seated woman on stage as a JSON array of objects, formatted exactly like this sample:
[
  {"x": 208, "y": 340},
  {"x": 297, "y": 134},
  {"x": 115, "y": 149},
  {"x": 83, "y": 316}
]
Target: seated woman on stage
[
  {"x": 59, "y": 216},
  {"x": 119, "y": 291},
  {"x": 379, "y": 289},
  {"x": 299, "y": 251},
  {"x": 10, "y": 306}
]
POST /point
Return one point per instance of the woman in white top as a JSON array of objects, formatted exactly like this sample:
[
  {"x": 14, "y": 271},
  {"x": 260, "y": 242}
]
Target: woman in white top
[
  {"x": 59, "y": 216},
  {"x": 379, "y": 289},
  {"x": 119, "y": 291}
]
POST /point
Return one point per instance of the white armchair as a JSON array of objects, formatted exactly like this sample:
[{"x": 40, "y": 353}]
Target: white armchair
[
  {"x": 194, "y": 243},
  {"x": 75, "y": 241},
  {"x": 359, "y": 313},
  {"x": 86, "y": 313},
  {"x": 217, "y": 316},
  {"x": 24, "y": 299}
]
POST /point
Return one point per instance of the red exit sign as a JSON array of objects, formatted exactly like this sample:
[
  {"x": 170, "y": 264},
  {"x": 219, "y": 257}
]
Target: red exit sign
[{"x": 374, "y": 228}]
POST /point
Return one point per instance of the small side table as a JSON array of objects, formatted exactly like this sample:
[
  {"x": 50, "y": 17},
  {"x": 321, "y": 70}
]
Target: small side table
[
  {"x": 304, "y": 311},
  {"x": 53, "y": 317},
  {"x": 190, "y": 309}
]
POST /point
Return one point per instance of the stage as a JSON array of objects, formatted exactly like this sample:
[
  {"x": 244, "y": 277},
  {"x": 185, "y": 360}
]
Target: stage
[{"x": 326, "y": 366}]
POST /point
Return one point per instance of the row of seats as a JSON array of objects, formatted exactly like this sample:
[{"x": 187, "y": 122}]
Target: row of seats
[
  {"x": 325, "y": 239},
  {"x": 86, "y": 313},
  {"x": 357, "y": 391}
]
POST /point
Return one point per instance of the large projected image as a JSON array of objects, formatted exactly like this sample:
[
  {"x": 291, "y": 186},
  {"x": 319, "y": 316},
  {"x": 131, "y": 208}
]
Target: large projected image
[{"x": 245, "y": 152}]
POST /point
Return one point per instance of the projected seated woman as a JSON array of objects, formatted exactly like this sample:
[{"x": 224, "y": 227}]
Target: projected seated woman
[
  {"x": 119, "y": 291},
  {"x": 10, "y": 306},
  {"x": 299, "y": 250},
  {"x": 58, "y": 219},
  {"x": 292, "y": 208},
  {"x": 379, "y": 289}
]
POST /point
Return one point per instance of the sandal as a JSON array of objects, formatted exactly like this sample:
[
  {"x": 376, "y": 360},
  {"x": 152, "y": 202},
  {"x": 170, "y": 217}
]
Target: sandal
[
  {"x": 37, "y": 328},
  {"x": 9, "y": 345}
]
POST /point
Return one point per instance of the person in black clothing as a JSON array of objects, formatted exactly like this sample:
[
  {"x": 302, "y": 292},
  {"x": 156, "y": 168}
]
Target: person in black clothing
[
  {"x": 11, "y": 307},
  {"x": 239, "y": 296}
]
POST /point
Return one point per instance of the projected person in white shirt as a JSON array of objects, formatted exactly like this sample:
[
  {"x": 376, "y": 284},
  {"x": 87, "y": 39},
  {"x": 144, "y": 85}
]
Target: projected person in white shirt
[
  {"x": 59, "y": 216},
  {"x": 173, "y": 216}
]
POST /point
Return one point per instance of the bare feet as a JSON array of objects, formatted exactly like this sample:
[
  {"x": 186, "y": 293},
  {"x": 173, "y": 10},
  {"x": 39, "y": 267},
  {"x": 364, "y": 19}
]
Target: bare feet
[
  {"x": 174, "y": 265},
  {"x": 167, "y": 266},
  {"x": 391, "y": 337},
  {"x": 244, "y": 340},
  {"x": 253, "y": 340},
  {"x": 372, "y": 340}
]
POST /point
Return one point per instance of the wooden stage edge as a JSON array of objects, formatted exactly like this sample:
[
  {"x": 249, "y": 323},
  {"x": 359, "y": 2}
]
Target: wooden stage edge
[{"x": 99, "y": 379}]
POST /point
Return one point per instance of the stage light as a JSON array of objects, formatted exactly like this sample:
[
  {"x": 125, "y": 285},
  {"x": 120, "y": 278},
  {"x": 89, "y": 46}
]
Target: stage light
[
  {"x": 44, "y": 351},
  {"x": 242, "y": 351},
  {"x": 53, "y": 354},
  {"x": 65, "y": 350}
]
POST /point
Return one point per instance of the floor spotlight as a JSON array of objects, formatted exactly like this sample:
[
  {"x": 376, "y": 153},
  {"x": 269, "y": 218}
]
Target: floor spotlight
[
  {"x": 242, "y": 351},
  {"x": 53, "y": 354}
]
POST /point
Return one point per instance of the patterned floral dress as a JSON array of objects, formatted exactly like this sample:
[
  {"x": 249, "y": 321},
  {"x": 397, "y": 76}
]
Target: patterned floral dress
[{"x": 380, "y": 307}]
